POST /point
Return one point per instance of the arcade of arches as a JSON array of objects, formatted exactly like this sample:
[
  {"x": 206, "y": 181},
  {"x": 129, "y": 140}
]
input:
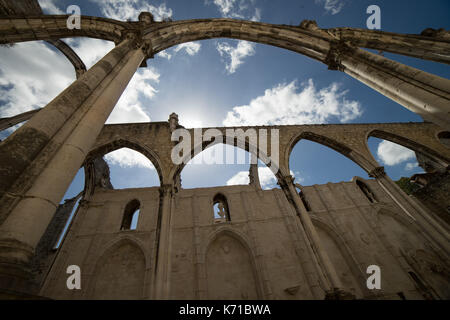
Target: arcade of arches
[{"x": 267, "y": 244}]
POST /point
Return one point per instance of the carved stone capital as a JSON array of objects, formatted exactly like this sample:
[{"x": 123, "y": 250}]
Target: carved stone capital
[
  {"x": 137, "y": 41},
  {"x": 166, "y": 190},
  {"x": 378, "y": 172},
  {"x": 284, "y": 182},
  {"x": 83, "y": 203},
  {"x": 334, "y": 57},
  {"x": 147, "y": 47}
]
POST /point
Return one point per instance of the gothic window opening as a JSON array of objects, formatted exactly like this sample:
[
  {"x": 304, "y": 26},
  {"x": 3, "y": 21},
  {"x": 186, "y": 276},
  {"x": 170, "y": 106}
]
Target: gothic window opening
[
  {"x": 220, "y": 207},
  {"x": 367, "y": 192},
  {"x": 444, "y": 138},
  {"x": 131, "y": 215}
]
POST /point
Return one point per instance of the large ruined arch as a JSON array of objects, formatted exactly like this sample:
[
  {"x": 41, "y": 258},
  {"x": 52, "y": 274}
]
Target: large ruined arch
[
  {"x": 231, "y": 269},
  {"x": 337, "y": 146},
  {"x": 435, "y": 155},
  {"x": 120, "y": 272},
  {"x": 320, "y": 44},
  {"x": 226, "y": 139},
  {"x": 118, "y": 143}
]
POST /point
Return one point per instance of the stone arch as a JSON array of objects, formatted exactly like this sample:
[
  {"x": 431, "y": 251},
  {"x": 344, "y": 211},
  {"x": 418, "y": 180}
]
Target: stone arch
[
  {"x": 220, "y": 198},
  {"x": 131, "y": 209},
  {"x": 337, "y": 146},
  {"x": 120, "y": 272},
  {"x": 127, "y": 143},
  {"x": 230, "y": 267},
  {"x": 300, "y": 40},
  {"x": 444, "y": 138},
  {"x": 410, "y": 144},
  {"x": 250, "y": 148},
  {"x": 426, "y": 46},
  {"x": 342, "y": 259}
]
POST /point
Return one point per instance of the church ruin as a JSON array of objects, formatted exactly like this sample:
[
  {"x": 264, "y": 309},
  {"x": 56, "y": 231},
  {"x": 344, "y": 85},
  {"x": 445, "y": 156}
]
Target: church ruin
[{"x": 312, "y": 243}]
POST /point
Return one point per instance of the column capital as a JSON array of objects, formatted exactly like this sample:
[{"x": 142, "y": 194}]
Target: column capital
[
  {"x": 284, "y": 181},
  {"x": 166, "y": 190},
  {"x": 135, "y": 36},
  {"x": 334, "y": 56},
  {"x": 83, "y": 203},
  {"x": 378, "y": 172}
]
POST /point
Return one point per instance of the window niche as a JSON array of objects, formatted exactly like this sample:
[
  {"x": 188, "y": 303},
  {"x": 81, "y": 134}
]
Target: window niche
[
  {"x": 220, "y": 207},
  {"x": 131, "y": 215},
  {"x": 367, "y": 192}
]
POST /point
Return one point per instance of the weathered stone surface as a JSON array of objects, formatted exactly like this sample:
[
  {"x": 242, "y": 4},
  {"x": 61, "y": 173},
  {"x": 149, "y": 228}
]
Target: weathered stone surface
[{"x": 274, "y": 244}]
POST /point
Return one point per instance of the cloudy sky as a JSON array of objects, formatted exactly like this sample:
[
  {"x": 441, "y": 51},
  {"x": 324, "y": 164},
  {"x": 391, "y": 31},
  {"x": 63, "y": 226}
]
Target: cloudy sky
[{"x": 230, "y": 83}]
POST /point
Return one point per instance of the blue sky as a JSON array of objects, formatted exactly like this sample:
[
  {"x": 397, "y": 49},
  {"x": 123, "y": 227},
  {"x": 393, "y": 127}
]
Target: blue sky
[{"x": 226, "y": 82}]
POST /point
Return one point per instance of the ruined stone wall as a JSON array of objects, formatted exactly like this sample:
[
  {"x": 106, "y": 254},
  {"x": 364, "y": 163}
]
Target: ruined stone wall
[
  {"x": 259, "y": 254},
  {"x": 435, "y": 196}
]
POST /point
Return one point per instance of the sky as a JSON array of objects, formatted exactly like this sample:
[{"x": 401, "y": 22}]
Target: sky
[{"x": 225, "y": 82}]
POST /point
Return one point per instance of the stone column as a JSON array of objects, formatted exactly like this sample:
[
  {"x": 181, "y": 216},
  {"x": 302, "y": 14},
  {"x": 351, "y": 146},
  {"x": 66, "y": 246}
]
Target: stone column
[
  {"x": 432, "y": 229},
  {"x": 25, "y": 154},
  {"x": 69, "y": 138},
  {"x": 162, "y": 268},
  {"x": 426, "y": 94},
  {"x": 326, "y": 267}
]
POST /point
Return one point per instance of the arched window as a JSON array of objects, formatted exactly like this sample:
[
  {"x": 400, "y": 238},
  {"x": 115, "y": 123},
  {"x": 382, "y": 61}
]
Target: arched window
[
  {"x": 131, "y": 215},
  {"x": 367, "y": 192},
  {"x": 444, "y": 138},
  {"x": 220, "y": 206}
]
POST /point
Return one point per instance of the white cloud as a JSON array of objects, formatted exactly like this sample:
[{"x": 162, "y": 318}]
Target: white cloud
[
  {"x": 130, "y": 9},
  {"x": 284, "y": 105},
  {"x": 240, "y": 9},
  {"x": 129, "y": 107},
  {"x": 90, "y": 50},
  {"x": 240, "y": 178},
  {"x": 127, "y": 158},
  {"x": 165, "y": 54},
  {"x": 392, "y": 154},
  {"x": 191, "y": 48},
  {"x": 235, "y": 55},
  {"x": 266, "y": 178},
  {"x": 48, "y": 7},
  {"x": 331, "y": 6},
  {"x": 26, "y": 69},
  {"x": 411, "y": 165}
]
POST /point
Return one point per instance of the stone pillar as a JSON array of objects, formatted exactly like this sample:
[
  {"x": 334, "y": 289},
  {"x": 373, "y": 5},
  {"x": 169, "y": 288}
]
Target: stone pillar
[
  {"x": 432, "y": 229},
  {"x": 426, "y": 94},
  {"x": 334, "y": 284},
  {"x": 253, "y": 173},
  {"x": 26, "y": 153},
  {"x": 162, "y": 268},
  {"x": 69, "y": 138}
]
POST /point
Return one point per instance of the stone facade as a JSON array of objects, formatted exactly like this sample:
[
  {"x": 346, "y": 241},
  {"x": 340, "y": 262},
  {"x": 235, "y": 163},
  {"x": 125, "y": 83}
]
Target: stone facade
[
  {"x": 276, "y": 244},
  {"x": 259, "y": 254}
]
